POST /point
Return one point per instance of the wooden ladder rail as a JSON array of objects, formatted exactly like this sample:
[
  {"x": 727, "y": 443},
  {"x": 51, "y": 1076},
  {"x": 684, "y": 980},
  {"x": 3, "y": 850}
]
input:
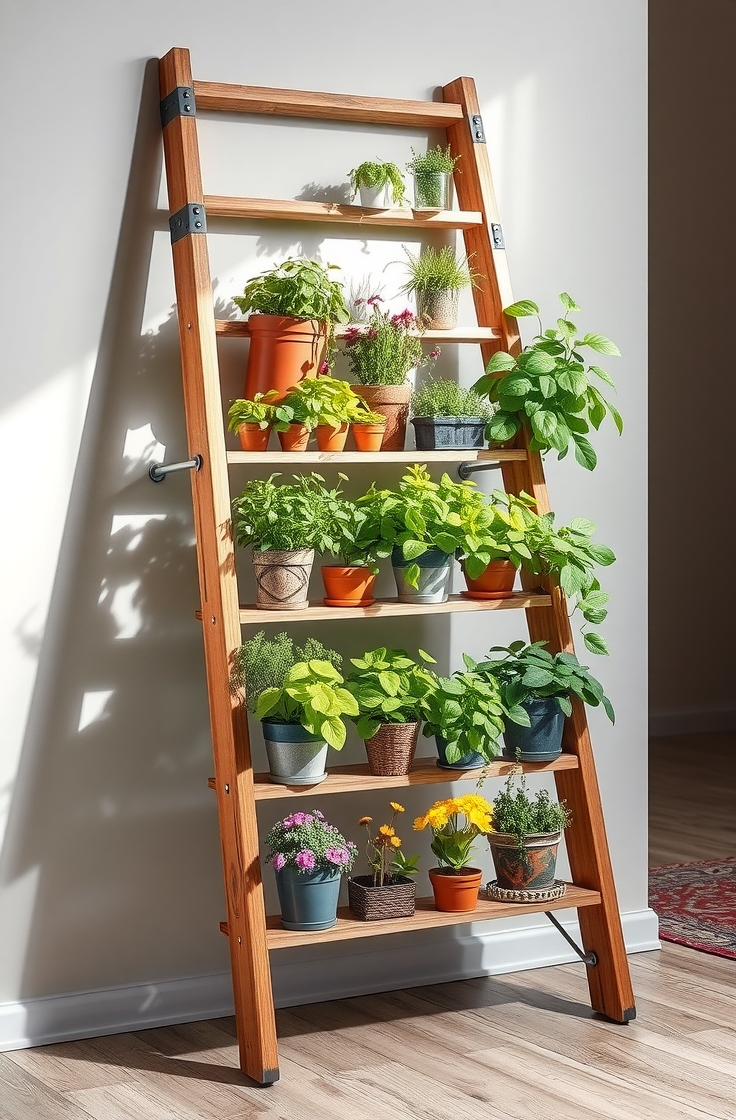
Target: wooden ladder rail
[
  {"x": 609, "y": 981},
  {"x": 254, "y": 1010}
]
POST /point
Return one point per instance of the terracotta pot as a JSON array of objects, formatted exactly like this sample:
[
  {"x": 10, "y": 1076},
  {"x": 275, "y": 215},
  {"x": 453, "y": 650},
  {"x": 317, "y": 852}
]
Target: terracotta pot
[
  {"x": 529, "y": 867},
  {"x": 438, "y": 309},
  {"x": 392, "y": 401},
  {"x": 295, "y": 438},
  {"x": 282, "y": 578},
  {"x": 253, "y": 437},
  {"x": 368, "y": 437},
  {"x": 391, "y": 750},
  {"x": 331, "y": 439},
  {"x": 282, "y": 352},
  {"x": 348, "y": 587},
  {"x": 455, "y": 891},
  {"x": 495, "y": 582}
]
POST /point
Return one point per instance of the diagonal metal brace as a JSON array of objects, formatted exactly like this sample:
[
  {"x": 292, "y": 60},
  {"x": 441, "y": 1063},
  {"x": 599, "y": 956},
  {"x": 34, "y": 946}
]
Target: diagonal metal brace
[
  {"x": 591, "y": 959},
  {"x": 157, "y": 471}
]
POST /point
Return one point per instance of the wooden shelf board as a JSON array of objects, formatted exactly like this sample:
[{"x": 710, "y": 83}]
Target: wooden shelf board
[
  {"x": 467, "y": 455},
  {"x": 295, "y": 210},
  {"x": 227, "y": 98},
  {"x": 389, "y": 608},
  {"x": 238, "y": 328},
  {"x": 425, "y": 771}
]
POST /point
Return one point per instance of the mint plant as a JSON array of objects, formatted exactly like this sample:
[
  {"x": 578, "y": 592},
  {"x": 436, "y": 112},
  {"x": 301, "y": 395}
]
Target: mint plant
[
  {"x": 389, "y": 687},
  {"x": 530, "y": 672}
]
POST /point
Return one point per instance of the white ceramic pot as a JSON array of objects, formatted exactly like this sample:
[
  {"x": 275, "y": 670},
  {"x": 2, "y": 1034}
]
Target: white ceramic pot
[{"x": 378, "y": 198}]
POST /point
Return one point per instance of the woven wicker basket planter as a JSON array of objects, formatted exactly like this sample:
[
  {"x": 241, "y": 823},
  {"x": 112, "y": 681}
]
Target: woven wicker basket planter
[
  {"x": 391, "y": 750},
  {"x": 373, "y": 904}
]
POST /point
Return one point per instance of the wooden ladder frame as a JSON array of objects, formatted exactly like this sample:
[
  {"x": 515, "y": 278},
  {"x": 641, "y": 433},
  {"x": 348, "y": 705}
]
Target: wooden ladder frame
[{"x": 250, "y": 933}]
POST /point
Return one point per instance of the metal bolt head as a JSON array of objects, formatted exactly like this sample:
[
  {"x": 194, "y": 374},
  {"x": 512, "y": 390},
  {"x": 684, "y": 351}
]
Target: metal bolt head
[{"x": 227, "y": 788}]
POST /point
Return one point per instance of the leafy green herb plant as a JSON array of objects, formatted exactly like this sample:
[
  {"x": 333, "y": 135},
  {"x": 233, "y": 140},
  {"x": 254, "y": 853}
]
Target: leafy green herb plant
[
  {"x": 443, "y": 397},
  {"x": 377, "y": 175},
  {"x": 259, "y": 411},
  {"x": 302, "y": 514},
  {"x": 384, "y": 350},
  {"x": 262, "y": 663},
  {"x": 389, "y": 687},
  {"x": 515, "y": 813},
  {"x": 468, "y": 711},
  {"x": 431, "y": 169},
  {"x": 312, "y": 694},
  {"x": 321, "y": 400},
  {"x": 297, "y": 288}
]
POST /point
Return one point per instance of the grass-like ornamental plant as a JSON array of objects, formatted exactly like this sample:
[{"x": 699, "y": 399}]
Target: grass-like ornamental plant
[
  {"x": 443, "y": 397},
  {"x": 438, "y": 270},
  {"x": 549, "y": 387},
  {"x": 306, "y": 841},
  {"x": 389, "y": 687},
  {"x": 301, "y": 514},
  {"x": 262, "y": 663},
  {"x": 297, "y": 288},
  {"x": 468, "y": 711},
  {"x": 433, "y": 160},
  {"x": 312, "y": 694},
  {"x": 383, "y": 849},
  {"x": 378, "y": 175},
  {"x": 456, "y": 824},
  {"x": 530, "y": 672},
  {"x": 384, "y": 350},
  {"x": 515, "y": 813}
]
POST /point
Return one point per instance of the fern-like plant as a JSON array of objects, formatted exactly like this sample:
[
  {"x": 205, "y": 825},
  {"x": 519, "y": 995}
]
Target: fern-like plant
[{"x": 378, "y": 175}]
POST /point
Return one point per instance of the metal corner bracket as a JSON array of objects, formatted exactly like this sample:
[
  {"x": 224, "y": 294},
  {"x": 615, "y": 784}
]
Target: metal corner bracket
[
  {"x": 178, "y": 103},
  {"x": 477, "y": 131},
  {"x": 192, "y": 218}
]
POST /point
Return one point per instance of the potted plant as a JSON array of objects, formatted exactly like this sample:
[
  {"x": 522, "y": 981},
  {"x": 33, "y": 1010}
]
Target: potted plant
[
  {"x": 381, "y": 354},
  {"x": 537, "y": 688},
  {"x": 432, "y": 171},
  {"x": 292, "y": 310},
  {"x": 448, "y": 417},
  {"x": 286, "y": 687},
  {"x": 388, "y": 892},
  {"x": 381, "y": 185},
  {"x": 252, "y": 421},
  {"x": 285, "y": 524},
  {"x": 324, "y": 405},
  {"x": 309, "y": 857},
  {"x": 491, "y": 535},
  {"x": 369, "y": 430},
  {"x": 548, "y": 386},
  {"x": 524, "y": 838},
  {"x": 391, "y": 692},
  {"x": 465, "y": 713},
  {"x": 456, "y": 823},
  {"x": 436, "y": 277},
  {"x": 357, "y": 541}
]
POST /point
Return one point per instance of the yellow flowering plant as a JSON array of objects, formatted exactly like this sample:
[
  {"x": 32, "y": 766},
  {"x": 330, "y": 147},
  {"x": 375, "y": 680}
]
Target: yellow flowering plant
[
  {"x": 383, "y": 849},
  {"x": 455, "y": 824}
]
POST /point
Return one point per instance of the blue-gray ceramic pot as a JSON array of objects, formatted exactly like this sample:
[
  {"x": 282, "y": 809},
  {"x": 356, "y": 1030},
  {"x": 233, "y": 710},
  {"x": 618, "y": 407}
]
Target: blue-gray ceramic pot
[
  {"x": 542, "y": 742},
  {"x": 471, "y": 761},
  {"x": 308, "y": 899}
]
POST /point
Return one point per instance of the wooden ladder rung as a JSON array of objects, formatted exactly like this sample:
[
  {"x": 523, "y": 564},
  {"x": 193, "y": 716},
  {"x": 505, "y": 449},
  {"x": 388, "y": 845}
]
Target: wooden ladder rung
[
  {"x": 238, "y": 328},
  {"x": 225, "y": 98},
  {"x": 387, "y": 608},
  {"x": 295, "y": 210}
]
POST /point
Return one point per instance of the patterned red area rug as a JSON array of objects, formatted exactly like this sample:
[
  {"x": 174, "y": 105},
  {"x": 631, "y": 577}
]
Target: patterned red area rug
[{"x": 696, "y": 904}]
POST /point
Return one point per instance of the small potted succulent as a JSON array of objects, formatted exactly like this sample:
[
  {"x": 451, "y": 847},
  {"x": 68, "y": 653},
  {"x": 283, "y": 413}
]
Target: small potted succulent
[
  {"x": 292, "y": 312},
  {"x": 381, "y": 354},
  {"x": 324, "y": 405},
  {"x": 381, "y": 185},
  {"x": 356, "y": 543},
  {"x": 389, "y": 891},
  {"x": 465, "y": 713},
  {"x": 456, "y": 824},
  {"x": 297, "y": 692},
  {"x": 537, "y": 689},
  {"x": 549, "y": 387},
  {"x": 436, "y": 278},
  {"x": 524, "y": 838},
  {"x": 309, "y": 857},
  {"x": 432, "y": 171},
  {"x": 448, "y": 417},
  {"x": 391, "y": 692},
  {"x": 285, "y": 524}
]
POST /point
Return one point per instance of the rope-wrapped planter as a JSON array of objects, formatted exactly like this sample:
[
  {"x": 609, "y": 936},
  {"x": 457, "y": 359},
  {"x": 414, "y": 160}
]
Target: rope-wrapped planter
[
  {"x": 391, "y": 750},
  {"x": 505, "y": 894},
  {"x": 372, "y": 904}
]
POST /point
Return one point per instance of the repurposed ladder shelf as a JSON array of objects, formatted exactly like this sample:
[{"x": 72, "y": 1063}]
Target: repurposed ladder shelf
[{"x": 251, "y": 934}]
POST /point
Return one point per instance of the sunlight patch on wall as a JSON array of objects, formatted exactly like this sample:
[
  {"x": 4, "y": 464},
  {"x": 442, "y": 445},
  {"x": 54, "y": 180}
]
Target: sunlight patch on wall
[
  {"x": 122, "y": 601},
  {"x": 141, "y": 446},
  {"x": 93, "y": 707}
]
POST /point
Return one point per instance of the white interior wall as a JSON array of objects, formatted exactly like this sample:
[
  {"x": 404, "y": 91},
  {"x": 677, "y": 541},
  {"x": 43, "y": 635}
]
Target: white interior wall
[{"x": 110, "y": 872}]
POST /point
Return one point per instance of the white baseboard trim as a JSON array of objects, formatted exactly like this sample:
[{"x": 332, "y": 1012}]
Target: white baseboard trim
[
  {"x": 691, "y": 721},
  {"x": 343, "y": 973}
]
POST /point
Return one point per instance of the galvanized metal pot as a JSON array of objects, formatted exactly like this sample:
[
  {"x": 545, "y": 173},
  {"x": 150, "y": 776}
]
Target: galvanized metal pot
[
  {"x": 295, "y": 756},
  {"x": 435, "y": 574}
]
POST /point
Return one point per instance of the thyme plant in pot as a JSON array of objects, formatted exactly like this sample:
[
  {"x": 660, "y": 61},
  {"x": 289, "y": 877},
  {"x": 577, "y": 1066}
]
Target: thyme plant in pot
[
  {"x": 448, "y": 417},
  {"x": 297, "y": 693},
  {"x": 292, "y": 312},
  {"x": 465, "y": 714},
  {"x": 524, "y": 839},
  {"x": 381, "y": 185},
  {"x": 309, "y": 856},
  {"x": 391, "y": 691},
  {"x": 432, "y": 171},
  {"x": 389, "y": 891},
  {"x": 285, "y": 524},
  {"x": 549, "y": 387},
  {"x": 537, "y": 689},
  {"x": 456, "y": 824},
  {"x": 381, "y": 355},
  {"x": 436, "y": 278},
  {"x": 252, "y": 421}
]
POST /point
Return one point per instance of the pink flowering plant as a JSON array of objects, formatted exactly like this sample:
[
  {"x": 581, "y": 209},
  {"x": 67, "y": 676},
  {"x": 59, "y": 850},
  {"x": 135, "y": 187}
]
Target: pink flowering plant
[
  {"x": 384, "y": 350},
  {"x": 309, "y": 843}
]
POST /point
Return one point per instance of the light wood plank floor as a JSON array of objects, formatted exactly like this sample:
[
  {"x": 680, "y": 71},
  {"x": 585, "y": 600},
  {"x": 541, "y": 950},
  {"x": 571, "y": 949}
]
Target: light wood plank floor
[{"x": 524, "y": 1046}]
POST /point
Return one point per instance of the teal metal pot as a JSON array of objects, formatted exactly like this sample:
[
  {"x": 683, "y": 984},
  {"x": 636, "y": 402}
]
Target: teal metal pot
[
  {"x": 471, "y": 761},
  {"x": 542, "y": 742},
  {"x": 308, "y": 899}
]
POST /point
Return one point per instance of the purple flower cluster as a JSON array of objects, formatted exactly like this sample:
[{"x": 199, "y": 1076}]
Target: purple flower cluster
[{"x": 306, "y": 841}]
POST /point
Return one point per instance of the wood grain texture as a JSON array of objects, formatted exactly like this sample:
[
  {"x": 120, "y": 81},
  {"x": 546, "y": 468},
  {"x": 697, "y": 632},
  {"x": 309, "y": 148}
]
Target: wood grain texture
[
  {"x": 392, "y": 608},
  {"x": 238, "y": 328},
  {"x": 337, "y": 457},
  {"x": 295, "y": 210}
]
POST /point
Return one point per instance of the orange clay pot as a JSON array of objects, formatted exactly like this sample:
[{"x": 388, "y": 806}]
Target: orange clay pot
[
  {"x": 496, "y": 582},
  {"x": 392, "y": 401},
  {"x": 331, "y": 439},
  {"x": 368, "y": 437},
  {"x": 282, "y": 352},
  {"x": 253, "y": 437},
  {"x": 295, "y": 438},
  {"x": 348, "y": 587},
  {"x": 455, "y": 891}
]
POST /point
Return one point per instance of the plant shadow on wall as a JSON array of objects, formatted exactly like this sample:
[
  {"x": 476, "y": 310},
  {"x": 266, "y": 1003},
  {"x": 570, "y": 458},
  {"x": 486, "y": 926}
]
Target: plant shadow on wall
[{"x": 111, "y": 815}]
